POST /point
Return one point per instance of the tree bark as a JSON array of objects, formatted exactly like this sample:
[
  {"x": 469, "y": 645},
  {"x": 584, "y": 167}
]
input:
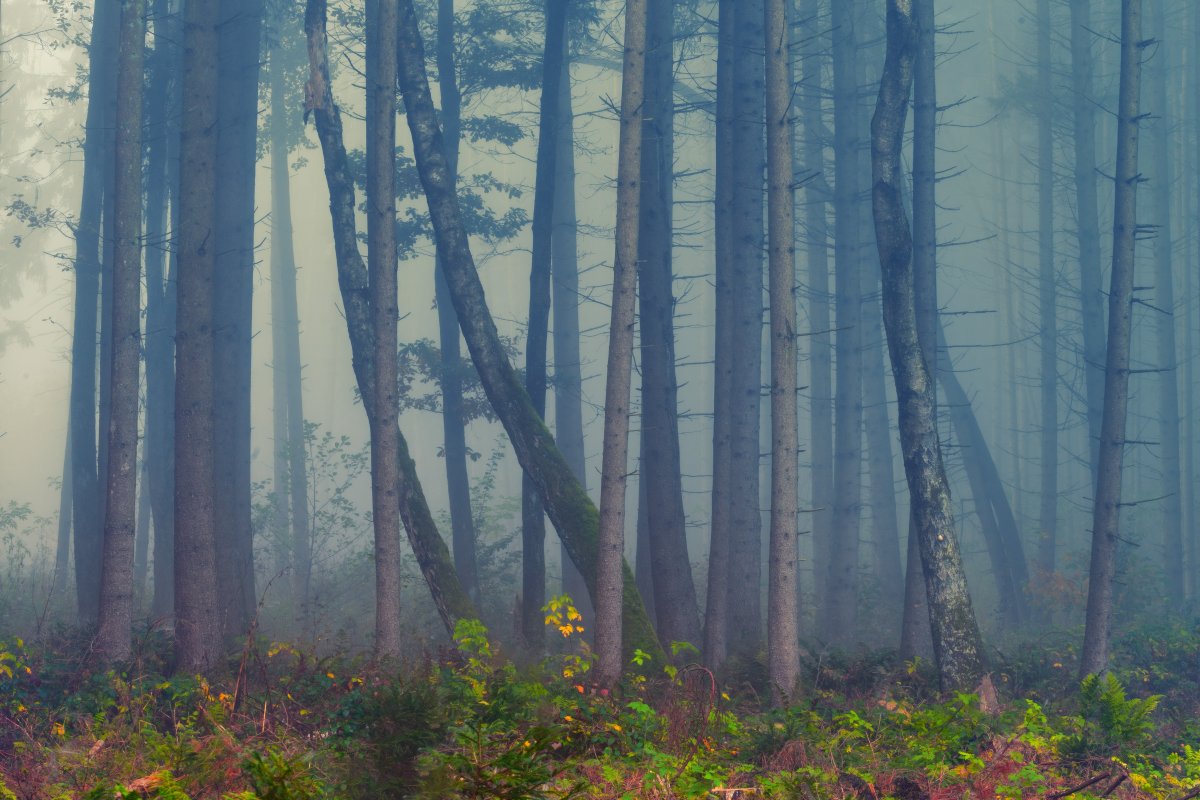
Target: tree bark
[
  {"x": 716, "y": 614},
  {"x": 1164, "y": 317},
  {"x": 675, "y": 604},
  {"x": 114, "y": 639},
  {"x": 533, "y": 518},
  {"x": 614, "y": 471},
  {"x": 1106, "y": 510},
  {"x": 454, "y": 428},
  {"x": 239, "y": 34},
  {"x": 956, "y": 641},
  {"x": 840, "y": 609},
  {"x": 745, "y": 545},
  {"x": 384, "y": 413},
  {"x": 197, "y": 627},
  {"x": 783, "y": 613},
  {"x": 430, "y": 550}
]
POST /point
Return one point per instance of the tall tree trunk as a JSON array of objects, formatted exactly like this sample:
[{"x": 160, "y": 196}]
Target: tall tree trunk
[
  {"x": 88, "y": 529},
  {"x": 141, "y": 541},
  {"x": 745, "y": 544},
  {"x": 676, "y": 607},
  {"x": 62, "y": 550},
  {"x": 1164, "y": 303},
  {"x": 1091, "y": 298},
  {"x": 568, "y": 374},
  {"x": 533, "y": 518},
  {"x": 569, "y": 508},
  {"x": 114, "y": 639},
  {"x": 240, "y": 35},
  {"x": 614, "y": 472},
  {"x": 433, "y": 557},
  {"x": 820, "y": 360},
  {"x": 454, "y": 426},
  {"x": 1106, "y": 511},
  {"x": 165, "y": 106},
  {"x": 783, "y": 613},
  {"x": 384, "y": 413},
  {"x": 885, "y": 530},
  {"x": 716, "y": 614},
  {"x": 291, "y": 467},
  {"x": 840, "y": 609},
  {"x": 197, "y": 628},
  {"x": 1047, "y": 317},
  {"x": 956, "y": 642}
]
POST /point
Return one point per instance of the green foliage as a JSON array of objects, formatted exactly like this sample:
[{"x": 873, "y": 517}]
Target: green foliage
[{"x": 1108, "y": 722}]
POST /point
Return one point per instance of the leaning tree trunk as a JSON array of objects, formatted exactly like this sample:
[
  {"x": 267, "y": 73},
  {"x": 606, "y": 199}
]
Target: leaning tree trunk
[
  {"x": 1106, "y": 511},
  {"x": 716, "y": 613},
  {"x": 675, "y": 605},
  {"x": 533, "y": 518},
  {"x": 956, "y": 642},
  {"x": 783, "y": 613},
  {"x": 433, "y": 557},
  {"x": 454, "y": 426},
  {"x": 569, "y": 508},
  {"x": 197, "y": 628},
  {"x": 114, "y": 639}
]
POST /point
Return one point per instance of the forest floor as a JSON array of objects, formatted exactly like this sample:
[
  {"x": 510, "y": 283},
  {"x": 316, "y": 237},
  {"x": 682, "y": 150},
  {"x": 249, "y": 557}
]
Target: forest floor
[{"x": 468, "y": 723}]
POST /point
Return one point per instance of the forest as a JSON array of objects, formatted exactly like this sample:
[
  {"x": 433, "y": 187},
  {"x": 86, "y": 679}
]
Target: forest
[{"x": 545, "y": 399}]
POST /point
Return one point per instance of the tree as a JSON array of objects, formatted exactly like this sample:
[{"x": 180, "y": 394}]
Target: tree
[
  {"x": 1107, "y": 506},
  {"x": 716, "y": 613},
  {"x": 533, "y": 525},
  {"x": 614, "y": 472},
  {"x": 840, "y": 607},
  {"x": 956, "y": 641},
  {"x": 384, "y": 409},
  {"x": 660, "y": 482},
  {"x": 115, "y": 636},
  {"x": 569, "y": 508},
  {"x": 432, "y": 555},
  {"x": 197, "y": 628},
  {"x": 783, "y": 618},
  {"x": 462, "y": 524}
]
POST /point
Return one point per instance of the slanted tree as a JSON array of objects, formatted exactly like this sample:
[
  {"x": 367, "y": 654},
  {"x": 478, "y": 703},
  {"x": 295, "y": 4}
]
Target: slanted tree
[
  {"x": 956, "y": 642},
  {"x": 114, "y": 639},
  {"x": 197, "y": 627}
]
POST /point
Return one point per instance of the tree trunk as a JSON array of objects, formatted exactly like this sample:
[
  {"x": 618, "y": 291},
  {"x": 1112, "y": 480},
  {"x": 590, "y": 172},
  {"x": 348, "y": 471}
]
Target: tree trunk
[
  {"x": 384, "y": 412},
  {"x": 1047, "y": 317},
  {"x": 570, "y": 509},
  {"x": 533, "y": 518},
  {"x": 716, "y": 614},
  {"x": 614, "y": 472},
  {"x": 141, "y": 541},
  {"x": 291, "y": 467},
  {"x": 197, "y": 628},
  {"x": 89, "y": 521},
  {"x": 783, "y": 613},
  {"x": 1164, "y": 317},
  {"x": 840, "y": 610},
  {"x": 745, "y": 545},
  {"x": 820, "y": 335},
  {"x": 956, "y": 643},
  {"x": 454, "y": 427},
  {"x": 676, "y": 607},
  {"x": 114, "y": 639},
  {"x": 237, "y": 129},
  {"x": 430, "y": 550},
  {"x": 1091, "y": 298},
  {"x": 568, "y": 376},
  {"x": 1106, "y": 511},
  {"x": 62, "y": 550}
]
